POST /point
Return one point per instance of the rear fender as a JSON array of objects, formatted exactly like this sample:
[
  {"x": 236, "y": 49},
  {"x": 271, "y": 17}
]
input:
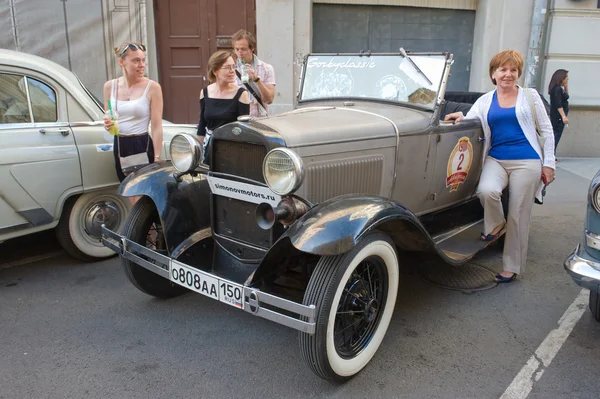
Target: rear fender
[{"x": 183, "y": 206}]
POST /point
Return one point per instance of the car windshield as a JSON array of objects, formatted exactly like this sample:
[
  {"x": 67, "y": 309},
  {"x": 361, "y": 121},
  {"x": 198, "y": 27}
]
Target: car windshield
[{"x": 414, "y": 79}]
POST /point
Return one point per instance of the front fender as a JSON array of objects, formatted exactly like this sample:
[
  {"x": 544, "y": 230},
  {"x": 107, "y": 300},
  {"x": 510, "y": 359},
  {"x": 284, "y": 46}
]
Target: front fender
[
  {"x": 336, "y": 226},
  {"x": 183, "y": 206}
]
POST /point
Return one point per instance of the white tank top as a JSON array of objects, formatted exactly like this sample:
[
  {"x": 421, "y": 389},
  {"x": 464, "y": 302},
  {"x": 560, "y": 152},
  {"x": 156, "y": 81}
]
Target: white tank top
[{"x": 134, "y": 115}]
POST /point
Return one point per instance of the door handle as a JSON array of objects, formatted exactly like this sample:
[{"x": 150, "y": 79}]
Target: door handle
[{"x": 64, "y": 132}]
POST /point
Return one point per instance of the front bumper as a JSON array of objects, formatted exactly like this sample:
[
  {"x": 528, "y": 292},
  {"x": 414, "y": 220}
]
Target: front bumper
[
  {"x": 297, "y": 316},
  {"x": 584, "y": 269}
]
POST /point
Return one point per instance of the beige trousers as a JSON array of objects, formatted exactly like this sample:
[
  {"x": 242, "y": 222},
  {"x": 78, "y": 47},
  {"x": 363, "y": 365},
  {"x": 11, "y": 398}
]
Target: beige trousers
[{"x": 522, "y": 178}]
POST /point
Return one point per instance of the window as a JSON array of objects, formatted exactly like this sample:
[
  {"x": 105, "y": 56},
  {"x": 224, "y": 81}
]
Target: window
[
  {"x": 43, "y": 101},
  {"x": 13, "y": 100}
]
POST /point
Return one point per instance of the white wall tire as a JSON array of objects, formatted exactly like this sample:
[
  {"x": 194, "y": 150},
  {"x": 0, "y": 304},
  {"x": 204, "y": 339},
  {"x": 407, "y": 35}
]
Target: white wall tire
[
  {"x": 337, "y": 280},
  {"x": 78, "y": 230}
]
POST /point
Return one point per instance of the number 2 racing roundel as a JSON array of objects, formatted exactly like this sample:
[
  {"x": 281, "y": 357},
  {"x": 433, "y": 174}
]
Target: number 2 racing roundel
[{"x": 459, "y": 163}]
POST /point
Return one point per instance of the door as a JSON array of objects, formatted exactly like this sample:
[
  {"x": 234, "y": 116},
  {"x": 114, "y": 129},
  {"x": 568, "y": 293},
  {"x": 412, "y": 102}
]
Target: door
[
  {"x": 38, "y": 156},
  {"x": 188, "y": 32},
  {"x": 458, "y": 156}
]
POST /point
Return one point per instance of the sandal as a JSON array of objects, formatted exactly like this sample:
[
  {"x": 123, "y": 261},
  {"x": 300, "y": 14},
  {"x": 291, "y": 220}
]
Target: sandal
[
  {"x": 492, "y": 237},
  {"x": 502, "y": 279}
]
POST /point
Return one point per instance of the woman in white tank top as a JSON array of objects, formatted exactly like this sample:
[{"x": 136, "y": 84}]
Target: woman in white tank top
[{"x": 139, "y": 103}]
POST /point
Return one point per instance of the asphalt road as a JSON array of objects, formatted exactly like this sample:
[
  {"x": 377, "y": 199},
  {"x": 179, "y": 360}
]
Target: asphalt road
[{"x": 73, "y": 330}]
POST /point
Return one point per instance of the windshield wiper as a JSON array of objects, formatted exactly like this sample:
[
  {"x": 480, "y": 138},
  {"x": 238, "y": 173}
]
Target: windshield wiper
[{"x": 403, "y": 52}]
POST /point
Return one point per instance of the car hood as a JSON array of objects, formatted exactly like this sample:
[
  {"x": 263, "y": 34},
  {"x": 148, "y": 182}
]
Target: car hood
[{"x": 330, "y": 123}]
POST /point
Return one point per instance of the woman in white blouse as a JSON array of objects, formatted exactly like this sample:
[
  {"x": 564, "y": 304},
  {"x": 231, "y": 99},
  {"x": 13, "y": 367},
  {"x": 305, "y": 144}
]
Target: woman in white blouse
[{"x": 512, "y": 157}]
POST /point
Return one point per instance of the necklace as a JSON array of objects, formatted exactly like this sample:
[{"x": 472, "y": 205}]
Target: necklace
[{"x": 129, "y": 89}]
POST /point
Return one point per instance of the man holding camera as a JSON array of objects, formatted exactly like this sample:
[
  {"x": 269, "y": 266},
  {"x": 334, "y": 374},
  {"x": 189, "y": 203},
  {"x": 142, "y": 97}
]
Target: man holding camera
[{"x": 257, "y": 76}]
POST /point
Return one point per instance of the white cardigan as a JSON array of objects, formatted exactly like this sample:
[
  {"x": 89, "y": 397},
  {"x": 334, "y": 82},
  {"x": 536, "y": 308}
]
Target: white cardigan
[{"x": 480, "y": 110}]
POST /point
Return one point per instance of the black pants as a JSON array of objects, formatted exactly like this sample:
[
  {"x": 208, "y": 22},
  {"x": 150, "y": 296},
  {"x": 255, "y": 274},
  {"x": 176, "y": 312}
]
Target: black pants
[
  {"x": 129, "y": 146},
  {"x": 558, "y": 131}
]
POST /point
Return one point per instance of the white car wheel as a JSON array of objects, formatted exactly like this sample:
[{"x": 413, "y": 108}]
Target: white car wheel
[
  {"x": 79, "y": 229},
  {"x": 354, "y": 295}
]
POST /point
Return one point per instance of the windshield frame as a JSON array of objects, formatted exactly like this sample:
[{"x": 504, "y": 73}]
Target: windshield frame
[{"x": 439, "y": 93}]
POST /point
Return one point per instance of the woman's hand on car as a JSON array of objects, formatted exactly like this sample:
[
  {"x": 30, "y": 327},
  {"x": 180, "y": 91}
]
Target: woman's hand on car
[
  {"x": 455, "y": 116},
  {"x": 548, "y": 174}
]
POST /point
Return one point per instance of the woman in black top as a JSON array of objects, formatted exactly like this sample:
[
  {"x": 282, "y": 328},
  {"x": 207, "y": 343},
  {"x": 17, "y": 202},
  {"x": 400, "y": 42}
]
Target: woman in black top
[
  {"x": 222, "y": 101},
  {"x": 558, "y": 89}
]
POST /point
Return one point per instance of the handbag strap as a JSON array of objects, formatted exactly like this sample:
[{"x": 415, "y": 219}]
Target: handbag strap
[{"x": 253, "y": 92}]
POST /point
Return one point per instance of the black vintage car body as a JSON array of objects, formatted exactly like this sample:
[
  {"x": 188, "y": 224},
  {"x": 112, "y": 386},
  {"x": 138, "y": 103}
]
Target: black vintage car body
[{"x": 299, "y": 216}]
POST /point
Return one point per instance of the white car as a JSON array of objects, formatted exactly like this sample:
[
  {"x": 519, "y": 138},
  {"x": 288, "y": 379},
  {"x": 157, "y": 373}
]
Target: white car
[{"x": 57, "y": 168}]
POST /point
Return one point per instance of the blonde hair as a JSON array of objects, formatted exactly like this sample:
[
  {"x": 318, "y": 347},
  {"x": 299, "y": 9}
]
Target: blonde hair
[
  {"x": 215, "y": 62},
  {"x": 122, "y": 50},
  {"x": 507, "y": 56}
]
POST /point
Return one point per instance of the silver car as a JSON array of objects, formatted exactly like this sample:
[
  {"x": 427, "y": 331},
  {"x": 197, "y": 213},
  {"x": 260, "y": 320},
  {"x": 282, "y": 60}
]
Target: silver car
[
  {"x": 56, "y": 161},
  {"x": 299, "y": 217}
]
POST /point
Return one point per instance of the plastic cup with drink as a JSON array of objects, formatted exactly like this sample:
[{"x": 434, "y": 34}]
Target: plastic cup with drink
[
  {"x": 114, "y": 116},
  {"x": 245, "y": 78}
]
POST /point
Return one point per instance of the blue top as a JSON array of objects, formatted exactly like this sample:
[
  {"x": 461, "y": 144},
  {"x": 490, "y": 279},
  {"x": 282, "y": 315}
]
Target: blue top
[{"x": 508, "y": 139}]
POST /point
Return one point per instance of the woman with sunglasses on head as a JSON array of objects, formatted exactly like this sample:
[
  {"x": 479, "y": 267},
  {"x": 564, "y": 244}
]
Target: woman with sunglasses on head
[
  {"x": 222, "y": 101},
  {"x": 138, "y": 101}
]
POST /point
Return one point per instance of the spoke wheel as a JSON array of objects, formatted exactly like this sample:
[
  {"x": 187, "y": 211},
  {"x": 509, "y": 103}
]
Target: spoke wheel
[
  {"x": 354, "y": 295},
  {"x": 143, "y": 226}
]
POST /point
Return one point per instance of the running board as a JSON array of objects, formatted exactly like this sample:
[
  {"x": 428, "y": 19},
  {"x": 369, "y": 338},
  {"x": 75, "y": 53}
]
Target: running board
[{"x": 462, "y": 243}]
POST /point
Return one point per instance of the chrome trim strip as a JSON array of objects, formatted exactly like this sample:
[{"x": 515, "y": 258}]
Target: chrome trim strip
[
  {"x": 397, "y": 140},
  {"x": 447, "y": 235},
  {"x": 84, "y": 124},
  {"x": 28, "y": 99},
  {"x": 253, "y": 298},
  {"x": 195, "y": 238},
  {"x": 592, "y": 240},
  {"x": 15, "y": 227}
]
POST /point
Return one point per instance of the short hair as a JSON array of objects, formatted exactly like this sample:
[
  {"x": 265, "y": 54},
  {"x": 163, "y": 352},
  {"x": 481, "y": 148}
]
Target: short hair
[
  {"x": 215, "y": 62},
  {"x": 503, "y": 57},
  {"x": 244, "y": 34},
  {"x": 557, "y": 77}
]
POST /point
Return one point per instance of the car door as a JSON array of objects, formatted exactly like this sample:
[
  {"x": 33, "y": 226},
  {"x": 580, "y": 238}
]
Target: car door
[
  {"x": 458, "y": 152},
  {"x": 39, "y": 162}
]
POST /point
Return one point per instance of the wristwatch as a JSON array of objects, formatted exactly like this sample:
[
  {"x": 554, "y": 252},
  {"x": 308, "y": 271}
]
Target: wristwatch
[{"x": 257, "y": 79}]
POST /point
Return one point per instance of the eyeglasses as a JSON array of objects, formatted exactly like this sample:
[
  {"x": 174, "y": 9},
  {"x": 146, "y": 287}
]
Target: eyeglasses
[
  {"x": 132, "y": 46},
  {"x": 229, "y": 67}
]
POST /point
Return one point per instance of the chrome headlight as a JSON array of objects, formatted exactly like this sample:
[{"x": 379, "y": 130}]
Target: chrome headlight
[
  {"x": 283, "y": 171},
  {"x": 186, "y": 152},
  {"x": 596, "y": 198}
]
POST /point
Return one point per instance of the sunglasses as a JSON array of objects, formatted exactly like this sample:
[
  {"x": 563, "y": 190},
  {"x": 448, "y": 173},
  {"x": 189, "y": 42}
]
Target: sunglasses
[{"x": 132, "y": 46}]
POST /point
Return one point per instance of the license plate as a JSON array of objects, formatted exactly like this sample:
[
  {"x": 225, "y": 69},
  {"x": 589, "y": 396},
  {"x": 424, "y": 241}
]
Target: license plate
[{"x": 206, "y": 284}]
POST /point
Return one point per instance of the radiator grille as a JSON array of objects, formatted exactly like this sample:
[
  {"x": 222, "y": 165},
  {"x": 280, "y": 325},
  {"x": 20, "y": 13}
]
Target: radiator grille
[
  {"x": 352, "y": 176},
  {"x": 235, "y": 219},
  {"x": 239, "y": 159}
]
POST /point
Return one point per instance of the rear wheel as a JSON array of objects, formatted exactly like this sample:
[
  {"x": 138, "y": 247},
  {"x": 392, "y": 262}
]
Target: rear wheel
[
  {"x": 79, "y": 230},
  {"x": 143, "y": 227},
  {"x": 595, "y": 304},
  {"x": 354, "y": 295}
]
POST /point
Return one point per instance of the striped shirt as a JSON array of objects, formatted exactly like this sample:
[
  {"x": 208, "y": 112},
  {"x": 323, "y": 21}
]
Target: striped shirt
[{"x": 267, "y": 76}]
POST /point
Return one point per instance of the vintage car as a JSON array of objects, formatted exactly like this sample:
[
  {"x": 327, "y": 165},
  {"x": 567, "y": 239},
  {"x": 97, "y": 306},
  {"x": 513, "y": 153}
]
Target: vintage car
[
  {"x": 299, "y": 217},
  {"x": 583, "y": 264},
  {"x": 57, "y": 168}
]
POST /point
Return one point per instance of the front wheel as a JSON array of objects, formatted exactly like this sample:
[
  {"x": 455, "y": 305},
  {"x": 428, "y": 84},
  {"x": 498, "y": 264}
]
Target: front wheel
[
  {"x": 354, "y": 295},
  {"x": 143, "y": 227},
  {"x": 595, "y": 304}
]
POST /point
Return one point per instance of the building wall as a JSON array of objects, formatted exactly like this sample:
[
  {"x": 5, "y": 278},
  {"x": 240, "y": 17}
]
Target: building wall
[
  {"x": 572, "y": 43},
  {"x": 80, "y": 35}
]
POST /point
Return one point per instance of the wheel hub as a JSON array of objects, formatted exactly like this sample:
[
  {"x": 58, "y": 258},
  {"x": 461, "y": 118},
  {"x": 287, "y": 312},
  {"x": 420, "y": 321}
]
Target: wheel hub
[
  {"x": 102, "y": 213},
  {"x": 371, "y": 310}
]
